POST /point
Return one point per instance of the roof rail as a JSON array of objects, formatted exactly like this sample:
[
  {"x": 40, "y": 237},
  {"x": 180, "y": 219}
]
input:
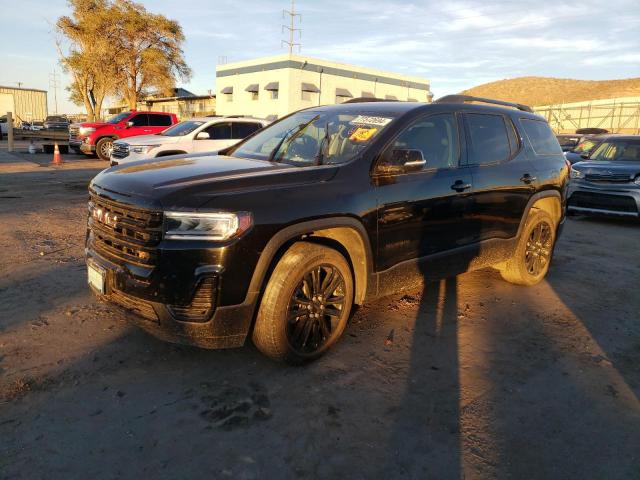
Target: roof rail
[
  {"x": 367, "y": 99},
  {"x": 469, "y": 98}
]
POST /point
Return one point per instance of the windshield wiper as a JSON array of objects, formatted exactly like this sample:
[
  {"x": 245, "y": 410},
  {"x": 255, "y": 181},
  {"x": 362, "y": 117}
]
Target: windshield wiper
[{"x": 300, "y": 128}]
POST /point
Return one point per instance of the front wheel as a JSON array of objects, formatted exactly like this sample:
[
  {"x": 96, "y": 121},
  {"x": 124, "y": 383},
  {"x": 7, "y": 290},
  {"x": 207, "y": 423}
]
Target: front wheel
[
  {"x": 104, "y": 148},
  {"x": 306, "y": 304},
  {"x": 530, "y": 261}
]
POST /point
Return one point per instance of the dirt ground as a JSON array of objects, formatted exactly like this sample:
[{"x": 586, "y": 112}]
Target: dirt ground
[{"x": 471, "y": 378}]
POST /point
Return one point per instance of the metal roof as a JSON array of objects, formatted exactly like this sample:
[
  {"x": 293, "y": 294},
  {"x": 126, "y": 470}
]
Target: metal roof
[
  {"x": 272, "y": 86},
  {"x": 253, "y": 88},
  {"x": 343, "y": 92},
  {"x": 227, "y": 90},
  {"x": 310, "y": 87}
]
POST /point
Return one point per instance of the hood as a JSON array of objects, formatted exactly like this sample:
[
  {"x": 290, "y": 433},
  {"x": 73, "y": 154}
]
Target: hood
[
  {"x": 150, "y": 140},
  {"x": 605, "y": 168},
  {"x": 187, "y": 181},
  {"x": 90, "y": 124}
]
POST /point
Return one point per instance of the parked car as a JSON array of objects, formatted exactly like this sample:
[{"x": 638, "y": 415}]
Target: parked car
[
  {"x": 56, "y": 122},
  {"x": 609, "y": 182},
  {"x": 190, "y": 136},
  {"x": 98, "y": 137},
  {"x": 3, "y": 126},
  {"x": 37, "y": 126},
  {"x": 587, "y": 146},
  {"x": 568, "y": 141},
  {"x": 280, "y": 235}
]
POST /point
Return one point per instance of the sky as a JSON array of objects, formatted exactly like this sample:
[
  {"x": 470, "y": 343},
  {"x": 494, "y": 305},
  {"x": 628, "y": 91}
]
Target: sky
[{"x": 455, "y": 44}]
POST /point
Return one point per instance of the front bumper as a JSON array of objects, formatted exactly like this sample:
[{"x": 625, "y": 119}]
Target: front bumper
[
  {"x": 621, "y": 200},
  {"x": 86, "y": 148},
  {"x": 142, "y": 303}
]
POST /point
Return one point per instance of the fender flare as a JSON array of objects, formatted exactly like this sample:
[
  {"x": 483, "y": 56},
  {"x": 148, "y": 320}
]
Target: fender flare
[
  {"x": 534, "y": 198},
  {"x": 363, "y": 268}
]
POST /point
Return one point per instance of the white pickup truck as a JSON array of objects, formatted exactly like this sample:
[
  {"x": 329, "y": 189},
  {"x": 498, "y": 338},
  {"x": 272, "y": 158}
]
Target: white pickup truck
[{"x": 196, "y": 135}]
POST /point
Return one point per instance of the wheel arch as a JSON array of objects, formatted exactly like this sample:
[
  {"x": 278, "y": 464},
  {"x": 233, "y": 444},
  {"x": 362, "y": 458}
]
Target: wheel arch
[
  {"x": 345, "y": 234},
  {"x": 547, "y": 200}
]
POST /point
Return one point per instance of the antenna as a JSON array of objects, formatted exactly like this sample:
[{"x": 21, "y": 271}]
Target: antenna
[
  {"x": 292, "y": 28},
  {"x": 19, "y": 84},
  {"x": 53, "y": 83}
]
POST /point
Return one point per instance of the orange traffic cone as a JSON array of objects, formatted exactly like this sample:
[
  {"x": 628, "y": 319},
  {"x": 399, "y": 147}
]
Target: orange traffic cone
[{"x": 57, "y": 159}]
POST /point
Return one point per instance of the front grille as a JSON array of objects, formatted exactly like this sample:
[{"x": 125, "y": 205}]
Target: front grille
[
  {"x": 120, "y": 150},
  {"x": 602, "y": 201},
  {"x": 202, "y": 304},
  {"x": 611, "y": 177},
  {"x": 133, "y": 304},
  {"x": 73, "y": 132},
  {"x": 122, "y": 233}
]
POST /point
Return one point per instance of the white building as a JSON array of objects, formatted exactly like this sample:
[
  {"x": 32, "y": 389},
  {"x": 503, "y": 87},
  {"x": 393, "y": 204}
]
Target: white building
[{"x": 272, "y": 87}]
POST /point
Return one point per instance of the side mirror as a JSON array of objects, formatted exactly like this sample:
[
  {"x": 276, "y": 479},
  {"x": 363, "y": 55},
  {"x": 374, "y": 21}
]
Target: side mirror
[
  {"x": 129, "y": 124},
  {"x": 584, "y": 155},
  {"x": 203, "y": 136}
]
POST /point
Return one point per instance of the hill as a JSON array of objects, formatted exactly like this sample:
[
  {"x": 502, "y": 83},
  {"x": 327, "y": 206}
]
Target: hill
[{"x": 548, "y": 90}]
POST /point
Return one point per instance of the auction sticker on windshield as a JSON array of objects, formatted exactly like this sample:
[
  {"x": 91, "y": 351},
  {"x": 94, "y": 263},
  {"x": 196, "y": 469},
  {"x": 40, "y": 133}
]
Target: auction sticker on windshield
[
  {"x": 367, "y": 120},
  {"x": 362, "y": 134}
]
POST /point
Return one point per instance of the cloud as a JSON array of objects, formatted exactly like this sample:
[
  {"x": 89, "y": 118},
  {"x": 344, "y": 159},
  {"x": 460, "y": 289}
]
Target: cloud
[{"x": 612, "y": 59}]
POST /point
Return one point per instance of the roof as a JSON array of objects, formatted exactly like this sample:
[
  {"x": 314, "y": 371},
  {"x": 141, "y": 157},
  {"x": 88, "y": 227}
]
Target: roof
[{"x": 23, "y": 89}]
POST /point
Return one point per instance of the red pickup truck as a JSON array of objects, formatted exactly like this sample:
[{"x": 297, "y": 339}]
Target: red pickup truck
[{"x": 96, "y": 138}]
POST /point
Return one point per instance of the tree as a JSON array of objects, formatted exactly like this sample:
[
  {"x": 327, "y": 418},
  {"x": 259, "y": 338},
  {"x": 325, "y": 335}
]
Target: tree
[
  {"x": 116, "y": 48},
  {"x": 151, "y": 56},
  {"x": 86, "y": 53}
]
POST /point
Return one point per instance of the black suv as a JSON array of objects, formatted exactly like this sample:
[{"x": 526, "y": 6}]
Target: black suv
[{"x": 280, "y": 235}]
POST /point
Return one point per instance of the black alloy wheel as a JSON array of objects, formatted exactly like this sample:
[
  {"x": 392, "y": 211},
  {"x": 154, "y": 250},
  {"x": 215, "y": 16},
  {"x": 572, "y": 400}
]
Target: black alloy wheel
[
  {"x": 315, "y": 309},
  {"x": 538, "y": 249}
]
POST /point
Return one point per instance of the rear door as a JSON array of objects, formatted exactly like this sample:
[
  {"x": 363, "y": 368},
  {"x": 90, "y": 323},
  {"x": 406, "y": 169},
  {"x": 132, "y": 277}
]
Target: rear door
[
  {"x": 503, "y": 178},
  {"x": 424, "y": 213},
  {"x": 220, "y": 136},
  {"x": 158, "y": 122}
]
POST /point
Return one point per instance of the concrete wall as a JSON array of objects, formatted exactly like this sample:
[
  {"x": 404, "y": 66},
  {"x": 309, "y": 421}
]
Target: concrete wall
[
  {"x": 29, "y": 104},
  {"x": 618, "y": 115},
  {"x": 291, "y": 71}
]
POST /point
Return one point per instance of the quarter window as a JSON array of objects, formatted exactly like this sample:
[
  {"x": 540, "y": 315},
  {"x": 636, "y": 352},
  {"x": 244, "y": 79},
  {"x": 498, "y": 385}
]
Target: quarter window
[
  {"x": 541, "y": 137},
  {"x": 488, "y": 139},
  {"x": 436, "y": 137}
]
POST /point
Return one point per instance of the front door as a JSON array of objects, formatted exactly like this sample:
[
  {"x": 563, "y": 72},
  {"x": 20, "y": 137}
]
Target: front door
[
  {"x": 140, "y": 125},
  {"x": 220, "y": 137},
  {"x": 423, "y": 214}
]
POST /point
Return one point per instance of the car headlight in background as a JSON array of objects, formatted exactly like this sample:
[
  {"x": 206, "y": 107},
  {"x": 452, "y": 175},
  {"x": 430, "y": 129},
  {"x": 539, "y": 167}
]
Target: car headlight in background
[
  {"x": 86, "y": 130},
  {"x": 576, "y": 173},
  {"x": 205, "y": 226},
  {"x": 637, "y": 180},
  {"x": 142, "y": 148}
]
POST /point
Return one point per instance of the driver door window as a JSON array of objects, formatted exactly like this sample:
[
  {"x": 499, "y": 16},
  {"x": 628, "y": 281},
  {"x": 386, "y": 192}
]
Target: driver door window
[
  {"x": 435, "y": 137},
  {"x": 219, "y": 131}
]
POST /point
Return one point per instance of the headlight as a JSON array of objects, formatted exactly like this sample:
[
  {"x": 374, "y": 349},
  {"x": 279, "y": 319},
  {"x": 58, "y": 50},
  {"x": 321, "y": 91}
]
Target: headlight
[
  {"x": 637, "y": 180},
  {"x": 143, "y": 148},
  {"x": 576, "y": 173},
  {"x": 205, "y": 226},
  {"x": 86, "y": 130}
]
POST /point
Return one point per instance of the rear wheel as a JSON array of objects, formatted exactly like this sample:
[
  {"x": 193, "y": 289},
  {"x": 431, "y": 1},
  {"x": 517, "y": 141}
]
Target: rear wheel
[
  {"x": 530, "y": 261},
  {"x": 103, "y": 148},
  {"x": 306, "y": 304}
]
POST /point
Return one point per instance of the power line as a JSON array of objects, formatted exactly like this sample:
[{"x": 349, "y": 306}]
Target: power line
[
  {"x": 292, "y": 28},
  {"x": 53, "y": 83}
]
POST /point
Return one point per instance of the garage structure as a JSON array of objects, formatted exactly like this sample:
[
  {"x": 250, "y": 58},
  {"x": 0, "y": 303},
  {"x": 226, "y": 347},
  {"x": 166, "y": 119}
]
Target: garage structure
[
  {"x": 26, "y": 104},
  {"x": 271, "y": 87}
]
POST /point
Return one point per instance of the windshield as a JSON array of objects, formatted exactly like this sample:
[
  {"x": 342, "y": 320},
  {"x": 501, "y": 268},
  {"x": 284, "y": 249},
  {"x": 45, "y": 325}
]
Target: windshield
[
  {"x": 585, "y": 146},
  {"x": 621, "y": 151},
  {"x": 314, "y": 138},
  {"x": 118, "y": 118},
  {"x": 181, "y": 129}
]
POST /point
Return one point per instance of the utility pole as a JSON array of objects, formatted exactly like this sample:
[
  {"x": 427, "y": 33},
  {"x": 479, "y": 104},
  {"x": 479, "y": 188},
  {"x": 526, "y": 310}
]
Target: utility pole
[
  {"x": 292, "y": 28},
  {"x": 19, "y": 84},
  {"x": 53, "y": 83}
]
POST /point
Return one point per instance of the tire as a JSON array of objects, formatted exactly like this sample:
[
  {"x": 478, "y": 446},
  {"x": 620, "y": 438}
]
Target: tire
[
  {"x": 530, "y": 261},
  {"x": 293, "y": 323},
  {"x": 103, "y": 148}
]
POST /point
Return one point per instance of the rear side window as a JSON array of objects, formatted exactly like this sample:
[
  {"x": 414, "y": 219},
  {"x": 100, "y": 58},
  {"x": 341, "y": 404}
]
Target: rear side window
[
  {"x": 219, "y": 131},
  {"x": 488, "y": 138},
  {"x": 244, "y": 129},
  {"x": 159, "y": 120},
  {"x": 140, "y": 120},
  {"x": 542, "y": 139}
]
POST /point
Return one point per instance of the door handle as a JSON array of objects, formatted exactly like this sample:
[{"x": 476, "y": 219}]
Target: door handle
[
  {"x": 526, "y": 178},
  {"x": 460, "y": 186}
]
